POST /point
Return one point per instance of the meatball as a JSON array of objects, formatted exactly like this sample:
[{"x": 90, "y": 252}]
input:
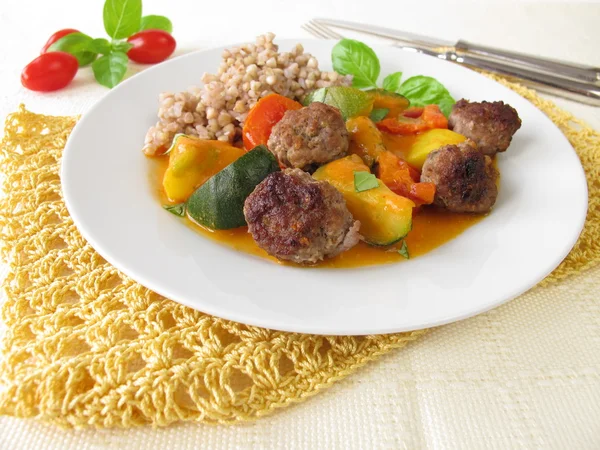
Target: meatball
[
  {"x": 490, "y": 125},
  {"x": 465, "y": 179},
  {"x": 309, "y": 137},
  {"x": 296, "y": 218}
]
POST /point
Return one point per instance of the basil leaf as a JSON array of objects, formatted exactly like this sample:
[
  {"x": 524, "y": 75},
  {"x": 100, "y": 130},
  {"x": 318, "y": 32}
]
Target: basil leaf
[
  {"x": 392, "y": 82},
  {"x": 363, "y": 181},
  {"x": 178, "y": 210},
  {"x": 422, "y": 90},
  {"x": 403, "y": 250},
  {"x": 378, "y": 114},
  {"x": 122, "y": 18},
  {"x": 77, "y": 44},
  {"x": 156, "y": 23},
  {"x": 350, "y": 57},
  {"x": 122, "y": 46},
  {"x": 101, "y": 46},
  {"x": 110, "y": 69}
]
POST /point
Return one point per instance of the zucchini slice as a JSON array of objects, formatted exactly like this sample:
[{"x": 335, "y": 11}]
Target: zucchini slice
[
  {"x": 385, "y": 217},
  {"x": 219, "y": 203}
]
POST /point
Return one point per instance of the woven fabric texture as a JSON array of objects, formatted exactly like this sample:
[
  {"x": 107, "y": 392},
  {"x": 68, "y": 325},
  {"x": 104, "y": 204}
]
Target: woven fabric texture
[{"x": 87, "y": 346}]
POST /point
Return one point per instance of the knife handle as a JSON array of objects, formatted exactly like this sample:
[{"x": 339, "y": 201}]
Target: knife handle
[
  {"x": 545, "y": 81},
  {"x": 559, "y": 68}
]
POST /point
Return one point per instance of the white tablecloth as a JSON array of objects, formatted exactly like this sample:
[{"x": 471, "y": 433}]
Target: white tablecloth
[{"x": 526, "y": 375}]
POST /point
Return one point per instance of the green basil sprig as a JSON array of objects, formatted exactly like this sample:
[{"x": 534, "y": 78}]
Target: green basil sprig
[
  {"x": 378, "y": 114},
  {"x": 122, "y": 18},
  {"x": 364, "y": 181},
  {"x": 78, "y": 45},
  {"x": 100, "y": 46},
  {"x": 110, "y": 69},
  {"x": 178, "y": 209},
  {"x": 156, "y": 23},
  {"x": 422, "y": 90},
  {"x": 393, "y": 82},
  {"x": 403, "y": 250},
  {"x": 350, "y": 57}
]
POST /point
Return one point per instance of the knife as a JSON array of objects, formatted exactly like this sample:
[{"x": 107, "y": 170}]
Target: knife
[{"x": 574, "y": 81}]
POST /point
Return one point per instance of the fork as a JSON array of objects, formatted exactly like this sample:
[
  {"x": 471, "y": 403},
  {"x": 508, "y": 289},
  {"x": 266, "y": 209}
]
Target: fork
[{"x": 542, "y": 80}]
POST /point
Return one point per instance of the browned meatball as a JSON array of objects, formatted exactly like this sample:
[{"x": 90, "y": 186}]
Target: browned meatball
[
  {"x": 490, "y": 125},
  {"x": 296, "y": 218},
  {"x": 464, "y": 178},
  {"x": 309, "y": 137}
]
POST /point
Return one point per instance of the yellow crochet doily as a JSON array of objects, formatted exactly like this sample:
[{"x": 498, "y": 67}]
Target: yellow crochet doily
[{"x": 87, "y": 346}]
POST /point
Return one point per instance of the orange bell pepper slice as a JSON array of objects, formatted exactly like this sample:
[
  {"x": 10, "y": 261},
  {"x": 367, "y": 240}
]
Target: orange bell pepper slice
[
  {"x": 415, "y": 120},
  {"x": 414, "y": 111},
  {"x": 433, "y": 117},
  {"x": 399, "y": 176},
  {"x": 414, "y": 173},
  {"x": 422, "y": 193},
  {"x": 402, "y": 125},
  {"x": 262, "y": 118}
]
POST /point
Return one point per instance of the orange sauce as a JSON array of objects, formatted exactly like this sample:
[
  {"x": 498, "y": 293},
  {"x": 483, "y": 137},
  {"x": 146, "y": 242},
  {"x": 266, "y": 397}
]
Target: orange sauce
[{"x": 431, "y": 227}]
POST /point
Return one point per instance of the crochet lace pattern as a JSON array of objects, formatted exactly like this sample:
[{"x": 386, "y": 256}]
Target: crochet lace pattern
[{"x": 87, "y": 346}]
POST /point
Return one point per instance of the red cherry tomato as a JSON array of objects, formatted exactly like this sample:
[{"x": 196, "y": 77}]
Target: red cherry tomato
[
  {"x": 151, "y": 46},
  {"x": 49, "y": 72},
  {"x": 56, "y": 36}
]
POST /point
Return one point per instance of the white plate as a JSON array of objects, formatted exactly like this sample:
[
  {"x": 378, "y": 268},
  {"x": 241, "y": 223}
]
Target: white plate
[{"x": 536, "y": 221}]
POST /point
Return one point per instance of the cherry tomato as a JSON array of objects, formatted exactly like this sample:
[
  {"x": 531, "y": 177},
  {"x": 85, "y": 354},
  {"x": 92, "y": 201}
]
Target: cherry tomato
[
  {"x": 49, "y": 72},
  {"x": 151, "y": 46},
  {"x": 56, "y": 36}
]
